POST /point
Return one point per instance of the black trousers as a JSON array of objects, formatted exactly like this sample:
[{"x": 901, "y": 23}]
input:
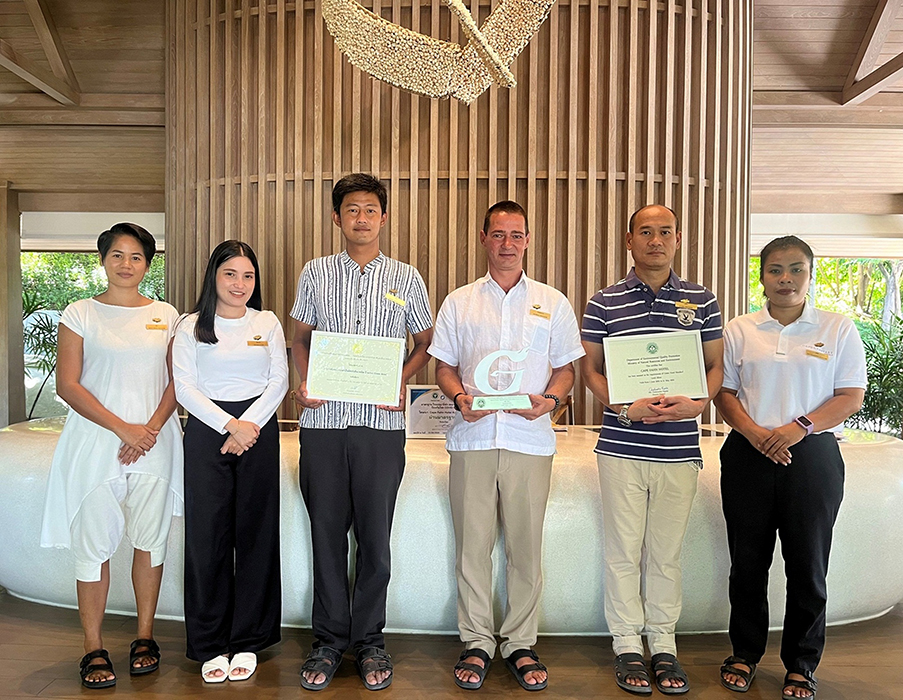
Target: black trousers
[
  {"x": 799, "y": 502},
  {"x": 350, "y": 478},
  {"x": 233, "y": 583}
]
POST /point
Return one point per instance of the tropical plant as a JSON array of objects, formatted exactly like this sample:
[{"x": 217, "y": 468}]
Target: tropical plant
[
  {"x": 882, "y": 408},
  {"x": 39, "y": 329}
]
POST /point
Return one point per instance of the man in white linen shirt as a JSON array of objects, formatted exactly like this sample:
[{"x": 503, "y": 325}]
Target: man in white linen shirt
[{"x": 501, "y": 461}]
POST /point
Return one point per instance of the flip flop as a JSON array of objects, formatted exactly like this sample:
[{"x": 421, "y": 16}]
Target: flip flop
[
  {"x": 218, "y": 662},
  {"x": 481, "y": 671},
  {"x": 246, "y": 660}
]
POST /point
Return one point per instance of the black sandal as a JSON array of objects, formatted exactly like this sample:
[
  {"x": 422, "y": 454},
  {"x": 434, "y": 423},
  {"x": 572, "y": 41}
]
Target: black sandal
[
  {"x": 481, "y": 671},
  {"x": 519, "y": 673},
  {"x": 628, "y": 666},
  {"x": 730, "y": 666},
  {"x": 667, "y": 668},
  {"x": 323, "y": 660},
  {"x": 371, "y": 660},
  {"x": 810, "y": 684},
  {"x": 151, "y": 649},
  {"x": 85, "y": 668}
]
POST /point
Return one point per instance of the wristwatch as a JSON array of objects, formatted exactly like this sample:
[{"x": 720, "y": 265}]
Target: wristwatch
[
  {"x": 554, "y": 398},
  {"x": 455, "y": 400},
  {"x": 622, "y": 416},
  {"x": 805, "y": 424}
]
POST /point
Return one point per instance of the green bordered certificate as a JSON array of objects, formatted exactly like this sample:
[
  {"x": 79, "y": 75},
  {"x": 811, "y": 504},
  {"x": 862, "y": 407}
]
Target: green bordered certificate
[
  {"x": 357, "y": 368},
  {"x": 640, "y": 366}
]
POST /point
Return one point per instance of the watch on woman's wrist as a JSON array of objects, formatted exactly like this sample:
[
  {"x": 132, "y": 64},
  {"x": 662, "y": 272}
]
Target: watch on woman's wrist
[{"x": 805, "y": 424}]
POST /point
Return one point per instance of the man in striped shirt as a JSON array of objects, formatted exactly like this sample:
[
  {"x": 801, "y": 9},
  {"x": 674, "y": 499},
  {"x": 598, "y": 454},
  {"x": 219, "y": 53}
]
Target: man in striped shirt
[
  {"x": 352, "y": 454},
  {"x": 648, "y": 451}
]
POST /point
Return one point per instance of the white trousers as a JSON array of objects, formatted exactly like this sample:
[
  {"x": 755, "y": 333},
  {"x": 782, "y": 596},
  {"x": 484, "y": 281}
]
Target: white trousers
[
  {"x": 137, "y": 505},
  {"x": 645, "y": 510}
]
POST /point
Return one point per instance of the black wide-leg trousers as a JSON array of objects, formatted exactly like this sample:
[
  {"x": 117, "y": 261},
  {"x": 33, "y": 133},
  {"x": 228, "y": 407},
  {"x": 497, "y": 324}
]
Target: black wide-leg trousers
[
  {"x": 799, "y": 503},
  {"x": 349, "y": 479},
  {"x": 233, "y": 581}
]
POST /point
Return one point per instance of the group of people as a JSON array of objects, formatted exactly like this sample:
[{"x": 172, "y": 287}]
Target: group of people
[{"x": 784, "y": 378}]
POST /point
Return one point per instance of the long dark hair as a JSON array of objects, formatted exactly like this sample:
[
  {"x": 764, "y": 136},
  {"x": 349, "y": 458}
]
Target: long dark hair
[{"x": 206, "y": 306}]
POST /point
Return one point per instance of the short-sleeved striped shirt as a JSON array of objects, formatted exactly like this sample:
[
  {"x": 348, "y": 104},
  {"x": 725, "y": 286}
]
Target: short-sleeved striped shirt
[
  {"x": 631, "y": 308},
  {"x": 387, "y": 298}
]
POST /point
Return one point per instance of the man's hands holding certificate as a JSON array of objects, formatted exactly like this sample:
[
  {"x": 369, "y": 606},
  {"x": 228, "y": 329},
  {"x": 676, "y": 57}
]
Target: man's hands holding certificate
[{"x": 660, "y": 409}]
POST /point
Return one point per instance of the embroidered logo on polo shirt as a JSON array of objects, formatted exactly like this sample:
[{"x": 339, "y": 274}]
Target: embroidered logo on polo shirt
[
  {"x": 686, "y": 312},
  {"x": 818, "y": 350}
]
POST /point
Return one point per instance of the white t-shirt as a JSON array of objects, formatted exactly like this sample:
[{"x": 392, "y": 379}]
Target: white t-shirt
[
  {"x": 783, "y": 372},
  {"x": 248, "y": 360},
  {"x": 480, "y": 318}
]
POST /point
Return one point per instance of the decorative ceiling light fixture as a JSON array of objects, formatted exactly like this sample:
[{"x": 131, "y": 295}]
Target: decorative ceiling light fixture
[{"x": 427, "y": 66}]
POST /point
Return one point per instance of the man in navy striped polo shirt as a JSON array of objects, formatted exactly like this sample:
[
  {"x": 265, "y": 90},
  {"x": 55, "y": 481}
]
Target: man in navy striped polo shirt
[
  {"x": 352, "y": 454},
  {"x": 648, "y": 452}
]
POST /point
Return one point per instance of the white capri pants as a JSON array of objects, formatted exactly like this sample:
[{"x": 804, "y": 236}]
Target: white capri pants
[{"x": 137, "y": 505}]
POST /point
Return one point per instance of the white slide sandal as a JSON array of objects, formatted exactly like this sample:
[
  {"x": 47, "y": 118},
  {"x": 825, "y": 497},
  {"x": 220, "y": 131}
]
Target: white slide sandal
[
  {"x": 246, "y": 660},
  {"x": 219, "y": 662}
]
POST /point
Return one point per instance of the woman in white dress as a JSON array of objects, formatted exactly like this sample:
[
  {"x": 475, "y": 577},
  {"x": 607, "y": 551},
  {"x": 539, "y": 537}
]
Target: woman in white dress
[
  {"x": 116, "y": 466},
  {"x": 231, "y": 373}
]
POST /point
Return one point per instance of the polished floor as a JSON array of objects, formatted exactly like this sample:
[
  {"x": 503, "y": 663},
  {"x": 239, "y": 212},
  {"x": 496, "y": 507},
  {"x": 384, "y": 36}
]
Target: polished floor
[{"x": 40, "y": 647}]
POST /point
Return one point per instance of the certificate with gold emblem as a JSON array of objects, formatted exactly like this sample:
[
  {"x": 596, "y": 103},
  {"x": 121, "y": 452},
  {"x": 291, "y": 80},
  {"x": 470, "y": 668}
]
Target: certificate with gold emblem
[
  {"x": 641, "y": 366},
  {"x": 358, "y": 368}
]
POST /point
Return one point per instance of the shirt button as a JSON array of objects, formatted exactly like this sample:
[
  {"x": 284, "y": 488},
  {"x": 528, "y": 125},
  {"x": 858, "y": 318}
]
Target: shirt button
[
  {"x": 359, "y": 296},
  {"x": 358, "y": 323}
]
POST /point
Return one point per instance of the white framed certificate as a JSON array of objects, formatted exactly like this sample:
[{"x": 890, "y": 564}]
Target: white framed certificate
[
  {"x": 641, "y": 366},
  {"x": 430, "y": 413},
  {"x": 357, "y": 368}
]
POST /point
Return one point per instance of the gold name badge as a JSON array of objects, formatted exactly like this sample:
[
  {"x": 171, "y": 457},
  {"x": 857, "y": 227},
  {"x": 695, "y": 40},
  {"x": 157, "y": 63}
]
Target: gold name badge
[
  {"x": 541, "y": 314},
  {"x": 258, "y": 343},
  {"x": 156, "y": 326},
  {"x": 398, "y": 300},
  {"x": 685, "y": 304},
  {"x": 819, "y": 355}
]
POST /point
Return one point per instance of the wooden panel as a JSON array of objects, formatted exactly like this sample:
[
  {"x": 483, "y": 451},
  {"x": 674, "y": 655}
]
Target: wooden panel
[
  {"x": 614, "y": 109},
  {"x": 83, "y": 158},
  {"x": 12, "y": 389}
]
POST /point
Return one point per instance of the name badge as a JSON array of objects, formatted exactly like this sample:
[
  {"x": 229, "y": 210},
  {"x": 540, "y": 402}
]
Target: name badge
[
  {"x": 541, "y": 314},
  {"x": 398, "y": 300},
  {"x": 156, "y": 326},
  {"x": 258, "y": 342},
  {"x": 819, "y": 355},
  {"x": 685, "y": 304}
]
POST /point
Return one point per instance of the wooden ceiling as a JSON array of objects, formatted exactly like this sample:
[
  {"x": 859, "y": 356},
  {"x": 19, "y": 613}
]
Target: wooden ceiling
[{"x": 827, "y": 107}]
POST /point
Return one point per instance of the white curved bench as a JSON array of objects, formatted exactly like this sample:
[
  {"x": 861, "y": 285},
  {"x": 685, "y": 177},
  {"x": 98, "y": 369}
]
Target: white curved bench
[{"x": 865, "y": 577}]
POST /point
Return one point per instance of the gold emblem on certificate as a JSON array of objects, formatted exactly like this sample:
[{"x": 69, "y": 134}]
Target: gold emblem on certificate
[{"x": 641, "y": 366}]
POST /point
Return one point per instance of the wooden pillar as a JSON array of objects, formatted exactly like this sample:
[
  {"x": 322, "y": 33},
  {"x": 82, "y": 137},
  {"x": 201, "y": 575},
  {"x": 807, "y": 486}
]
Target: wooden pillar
[
  {"x": 12, "y": 376},
  {"x": 619, "y": 103}
]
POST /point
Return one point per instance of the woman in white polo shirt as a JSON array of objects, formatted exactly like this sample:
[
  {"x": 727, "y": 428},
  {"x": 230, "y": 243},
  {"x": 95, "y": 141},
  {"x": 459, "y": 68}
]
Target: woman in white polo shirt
[
  {"x": 792, "y": 375},
  {"x": 231, "y": 373}
]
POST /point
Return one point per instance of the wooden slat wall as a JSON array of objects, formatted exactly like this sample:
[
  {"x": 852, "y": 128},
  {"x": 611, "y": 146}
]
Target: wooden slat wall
[{"x": 615, "y": 107}]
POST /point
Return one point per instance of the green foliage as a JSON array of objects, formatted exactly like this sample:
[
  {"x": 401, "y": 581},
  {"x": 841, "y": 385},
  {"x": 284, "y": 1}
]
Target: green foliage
[
  {"x": 58, "y": 279},
  {"x": 882, "y": 408}
]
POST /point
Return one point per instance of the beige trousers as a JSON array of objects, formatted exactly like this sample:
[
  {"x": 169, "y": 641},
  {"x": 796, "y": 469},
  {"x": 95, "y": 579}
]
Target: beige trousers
[
  {"x": 486, "y": 486},
  {"x": 645, "y": 510}
]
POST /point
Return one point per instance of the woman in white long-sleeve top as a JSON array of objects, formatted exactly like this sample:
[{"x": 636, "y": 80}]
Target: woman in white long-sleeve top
[{"x": 231, "y": 373}]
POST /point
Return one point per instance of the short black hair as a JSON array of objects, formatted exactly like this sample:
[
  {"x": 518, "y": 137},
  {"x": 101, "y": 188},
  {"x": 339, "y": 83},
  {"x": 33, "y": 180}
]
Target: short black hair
[
  {"x": 508, "y": 207},
  {"x": 673, "y": 213},
  {"x": 148, "y": 244},
  {"x": 358, "y": 182},
  {"x": 204, "y": 331},
  {"x": 785, "y": 243}
]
